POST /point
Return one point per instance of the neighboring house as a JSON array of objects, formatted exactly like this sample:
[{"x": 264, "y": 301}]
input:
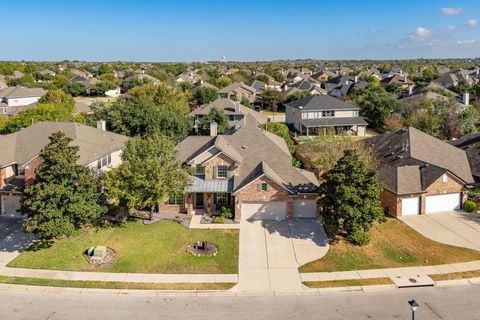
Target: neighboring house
[
  {"x": 420, "y": 174},
  {"x": 448, "y": 80},
  {"x": 471, "y": 145},
  {"x": 339, "y": 81},
  {"x": 323, "y": 75},
  {"x": 259, "y": 86},
  {"x": 316, "y": 114},
  {"x": 233, "y": 110},
  {"x": 201, "y": 84},
  {"x": 370, "y": 73},
  {"x": 190, "y": 77},
  {"x": 16, "y": 99},
  {"x": 249, "y": 171},
  {"x": 17, "y": 74},
  {"x": 81, "y": 73},
  {"x": 343, "y": 91},
  {"x": 48, "y": 72},
  {"x": 434, "y": 91},
  {"x": 238, "y": 91},
  {"x": 99, "y": 150},
  {"x": 400, "y": 80},
  {"x": 3, "y": 82},
  {"x": 140, "y": 77}
]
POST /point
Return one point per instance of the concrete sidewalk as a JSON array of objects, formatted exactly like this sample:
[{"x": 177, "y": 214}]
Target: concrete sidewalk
[
  {"x": 391, "y": 273},
  {"x": 195, "y": 224}
]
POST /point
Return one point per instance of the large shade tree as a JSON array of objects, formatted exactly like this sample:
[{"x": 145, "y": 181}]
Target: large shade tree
[
  {"x": 149, "y": 174},
  {"x": 63, "y": 196},
  {"x": 350, "y": 197}
]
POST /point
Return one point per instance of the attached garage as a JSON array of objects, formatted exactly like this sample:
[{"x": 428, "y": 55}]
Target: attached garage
[
  {"x": 305, "y": 208},
  {"x": 10, "y": 204},
  {"x": 443, "y": 203},
  {"x": 268, "y": 210},
  {"x": 410, "y": 206}
]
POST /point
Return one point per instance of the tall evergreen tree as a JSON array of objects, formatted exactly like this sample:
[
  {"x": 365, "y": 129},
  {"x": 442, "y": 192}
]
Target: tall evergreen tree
[
  {"x": 350, "y": 197},
  {"x": 63, "y": 196}
]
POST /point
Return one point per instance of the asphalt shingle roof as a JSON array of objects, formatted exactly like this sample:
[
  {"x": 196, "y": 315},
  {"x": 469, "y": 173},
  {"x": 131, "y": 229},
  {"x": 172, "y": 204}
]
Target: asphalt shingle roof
[{"x": 321, "y": 102}]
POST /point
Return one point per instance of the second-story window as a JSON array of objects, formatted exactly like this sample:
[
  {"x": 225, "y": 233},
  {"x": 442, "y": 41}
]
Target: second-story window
[
  {"x": 222, "y": 171},
  {"x": 104, "y": 161},
  {"x": 329, "y": 113},
  {"x": 199, "y": 170},
  {"x": 355, "y": 113}
]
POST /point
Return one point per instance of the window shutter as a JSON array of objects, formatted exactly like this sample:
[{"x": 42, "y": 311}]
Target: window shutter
[
  {"x": 259, "y": 187},
  {"x": 268, "y": 187},
  {"x": 215, "y": 172}
]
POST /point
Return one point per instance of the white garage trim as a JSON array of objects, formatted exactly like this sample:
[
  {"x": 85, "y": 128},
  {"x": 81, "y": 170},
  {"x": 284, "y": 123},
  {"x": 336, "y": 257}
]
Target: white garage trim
[
  {"x": 267, "y": 210},
  {"x": 10, "y": 204},
  {"x": 410, "y": 206},
  {"x": 443, "y": 202},
  {"x": 305, "y": 208}
]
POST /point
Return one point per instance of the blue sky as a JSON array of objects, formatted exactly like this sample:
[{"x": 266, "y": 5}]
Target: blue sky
[{"x": 246, "y": 30}]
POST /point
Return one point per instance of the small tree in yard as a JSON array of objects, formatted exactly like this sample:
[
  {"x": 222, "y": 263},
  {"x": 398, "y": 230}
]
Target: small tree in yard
[
  {"x": 64, "y": 194},
  {"x": 213, "y": 115},
  {"x": 148, "y": 175},
  {"x": 350, "y": 197},
  {"x": 206, "y": 95}
]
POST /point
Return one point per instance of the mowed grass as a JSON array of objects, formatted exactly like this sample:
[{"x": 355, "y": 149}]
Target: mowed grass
[
  {"x": 114, "y": 284},
  {"x": 348, "y": 283},
  {"x": 155, "y": 248},
  {"x": 393, "y": 244},
  {"x": 455, "y": 275}
]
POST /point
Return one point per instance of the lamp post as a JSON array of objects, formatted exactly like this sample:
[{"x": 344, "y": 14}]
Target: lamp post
[{"x": 414, "y": 307}]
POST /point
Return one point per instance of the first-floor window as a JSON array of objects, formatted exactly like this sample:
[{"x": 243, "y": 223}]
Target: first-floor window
[
  {"x": 222, "y": 198},
  {"x": 176, "y": 200}
]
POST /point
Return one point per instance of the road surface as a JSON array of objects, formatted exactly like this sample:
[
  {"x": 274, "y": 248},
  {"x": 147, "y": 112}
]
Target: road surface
[{"x": 457, "y": 302}]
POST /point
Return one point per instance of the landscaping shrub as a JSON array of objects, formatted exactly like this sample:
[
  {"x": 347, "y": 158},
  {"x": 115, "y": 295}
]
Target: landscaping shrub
[
  {"x": 227, "y": 213},
  {"x": 360, "y": 237},
  {"x": 219, "y": 219},
  {"x": 469, "y": 206}
]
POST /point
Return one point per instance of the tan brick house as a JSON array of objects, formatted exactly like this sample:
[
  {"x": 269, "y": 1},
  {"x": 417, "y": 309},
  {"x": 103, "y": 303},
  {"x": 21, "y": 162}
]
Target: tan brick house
[
  {"x": 249, "y": 171},
  {"x": 99, "y": 150},
  {"x": 420, "y": 174}
]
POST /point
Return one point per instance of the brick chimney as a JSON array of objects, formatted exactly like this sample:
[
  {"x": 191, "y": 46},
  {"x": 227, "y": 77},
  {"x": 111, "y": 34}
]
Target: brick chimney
[
  {"x": 466, "y": 99},
  {"x": 237, "y": 106}
]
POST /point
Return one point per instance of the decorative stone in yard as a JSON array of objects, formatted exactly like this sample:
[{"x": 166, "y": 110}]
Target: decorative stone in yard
[
  {"x": 99, "y": 255},
  {"x": 203, "y": 249}
]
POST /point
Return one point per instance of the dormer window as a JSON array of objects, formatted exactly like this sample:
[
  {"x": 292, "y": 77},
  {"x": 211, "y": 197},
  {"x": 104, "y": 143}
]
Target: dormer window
[{"x": 328, "y": 114}]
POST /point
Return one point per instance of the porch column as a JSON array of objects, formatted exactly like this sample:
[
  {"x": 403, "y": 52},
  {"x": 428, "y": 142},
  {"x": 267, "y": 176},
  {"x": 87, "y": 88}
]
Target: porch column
[
  {"x": 307, "y": 131},
  {"x": 189, "y": 203}
]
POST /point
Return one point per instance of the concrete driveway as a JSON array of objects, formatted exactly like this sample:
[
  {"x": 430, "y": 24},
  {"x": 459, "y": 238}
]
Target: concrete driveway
[
  {"x": 460, "y": 229},
  {"x": 12, "y": 239},
  {"x": 272, "y": 251}
]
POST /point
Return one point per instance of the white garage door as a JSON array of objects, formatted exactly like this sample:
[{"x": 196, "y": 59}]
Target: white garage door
[
  {"x": 305, "y": 208},
  {"x": 11, "y": 204},
  {"x": 443, "y": 203},
  {"x": 410, "y": 206},
  {"x": 272, "y": 210}
]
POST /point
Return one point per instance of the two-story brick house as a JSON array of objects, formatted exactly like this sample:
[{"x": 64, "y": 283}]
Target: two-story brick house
[
  {"x": 317, "y": 114},
  {"x": 250, "y": 171},
  {"x": 238, "y": 91},
  {"x": 99, "y": 150}
]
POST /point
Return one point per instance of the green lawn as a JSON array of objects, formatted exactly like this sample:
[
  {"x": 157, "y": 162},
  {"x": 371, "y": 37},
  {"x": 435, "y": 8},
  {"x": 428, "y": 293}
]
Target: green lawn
[
  {"x": 155, "y": 248},
  {"x": 393, "y": 244}
]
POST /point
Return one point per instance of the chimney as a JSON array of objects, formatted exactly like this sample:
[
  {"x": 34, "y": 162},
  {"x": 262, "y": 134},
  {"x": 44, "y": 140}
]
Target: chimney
[
  {"x": 237, "y": 106},
  {"x": 405, "y": 78},
  {"x": 466, "y": 98},
  {"x": 356, "y": 79},
  {"x": 102, "y": 125},
  {"x": 213, "y": 129},
  {"x": 401, "y": 72},
  {"x": 466, "y": 77},
  {"x": 477, "y": 71},
  {"x": 410, "y": 90},
  {"x": 285, "y": 88}
]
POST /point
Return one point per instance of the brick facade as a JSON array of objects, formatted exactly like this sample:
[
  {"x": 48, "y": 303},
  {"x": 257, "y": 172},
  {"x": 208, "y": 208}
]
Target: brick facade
[
  {"x": 393, "y": 204},
  {"x": 30, "y": 170}
]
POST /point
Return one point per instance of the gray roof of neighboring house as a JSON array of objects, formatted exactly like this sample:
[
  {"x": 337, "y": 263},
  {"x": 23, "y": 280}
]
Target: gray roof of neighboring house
[
  {"x": 328, "y": 122},
  {"x": 254, "y": 146},
  {"x": 471, "y": 145},
  {"x": 237, "y": 85},
  {"x": 24, "y": 145},
  {"x": 346, "y": 88},
  {"x": 21, "y": 92},
  {"x": 321, "y": 102},
  {"x": 409, "y": 160},
  {"x": 228, "y": 107}
]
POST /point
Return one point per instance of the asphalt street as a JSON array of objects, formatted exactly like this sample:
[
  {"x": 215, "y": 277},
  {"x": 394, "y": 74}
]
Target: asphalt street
[{"x": 455, "y": 302}]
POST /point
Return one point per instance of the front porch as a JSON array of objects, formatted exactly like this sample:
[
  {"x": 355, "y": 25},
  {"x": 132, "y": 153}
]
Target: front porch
[
  {"x": 353, "y": 130},
  {"x": 209, "y": 203}
]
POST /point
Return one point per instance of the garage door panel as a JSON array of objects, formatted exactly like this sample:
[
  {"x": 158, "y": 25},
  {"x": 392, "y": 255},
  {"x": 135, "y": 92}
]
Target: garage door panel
[
  {"x": 443, "y": 203},
  {"x": 410, "y": 206},
  {"x": 305, "y": 208},
  {"x": 274, "y": 210}
]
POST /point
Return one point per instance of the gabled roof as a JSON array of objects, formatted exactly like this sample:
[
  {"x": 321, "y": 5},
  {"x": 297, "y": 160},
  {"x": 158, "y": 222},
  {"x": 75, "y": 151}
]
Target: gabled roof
[
  {"x": 228, "y": 107},
  {"x": 320, "y": 102},
  {"x": 21, "y": 92},
  {"x": 237, "y": 85},
  {"x": 471, "y": 145},
  {"x": 410, "y": 160},
  {"x": 254, "y": 146},
  {"x": 26, "y": 144}
]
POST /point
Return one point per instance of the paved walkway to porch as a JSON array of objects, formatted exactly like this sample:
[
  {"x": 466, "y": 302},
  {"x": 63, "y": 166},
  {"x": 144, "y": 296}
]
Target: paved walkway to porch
[
  {"x": 272, "y": 251},
  {"x": 195, "y": 224}
]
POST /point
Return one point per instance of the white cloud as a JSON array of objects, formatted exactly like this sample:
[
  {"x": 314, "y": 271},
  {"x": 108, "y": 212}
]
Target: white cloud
[
  {"x": 419, "y": 34},
  {"x": 472, "y": 22},
  {"x": 451, "y": 28},
  {"x": 451, "y": 11},
  {"x": 466, "y": 42}
]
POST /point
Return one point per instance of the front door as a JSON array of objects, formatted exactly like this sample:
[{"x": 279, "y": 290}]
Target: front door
[{"x": 198, "y": 200}]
